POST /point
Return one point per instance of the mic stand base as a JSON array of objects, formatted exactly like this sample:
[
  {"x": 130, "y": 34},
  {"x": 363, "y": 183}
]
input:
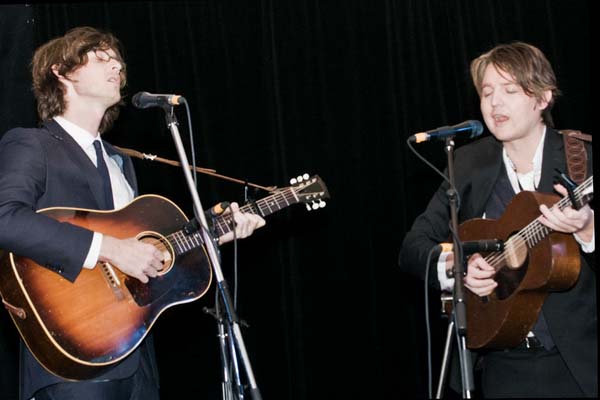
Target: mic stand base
[
  {"x": 445, "y": 359},
  {"x": 228, "y": 358},
  {"x": 465, "y": 363}
]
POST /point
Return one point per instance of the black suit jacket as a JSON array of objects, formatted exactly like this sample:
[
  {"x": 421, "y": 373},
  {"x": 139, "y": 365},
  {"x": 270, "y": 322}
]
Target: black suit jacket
[
  {"x": 41, "y": 168},
  {"x": 571, "y": 315}
]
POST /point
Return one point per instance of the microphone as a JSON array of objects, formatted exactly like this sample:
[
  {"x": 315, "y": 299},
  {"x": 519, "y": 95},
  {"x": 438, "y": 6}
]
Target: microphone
[
  {"x": 472, "y": 247},
  {"x": 147, "y": 100},
  {"x": 473, "y": 127},
  {"x": 482, "y": 246},
  {"x": 476, "y": 246}
]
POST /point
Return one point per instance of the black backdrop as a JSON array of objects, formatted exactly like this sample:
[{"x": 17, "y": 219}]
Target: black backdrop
[{"x": 278, "y": 88}]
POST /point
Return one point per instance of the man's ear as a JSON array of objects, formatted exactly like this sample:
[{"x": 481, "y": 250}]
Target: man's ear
[
  {"x": 545, "y": 100},
  {"x": 56, "y": 72}
]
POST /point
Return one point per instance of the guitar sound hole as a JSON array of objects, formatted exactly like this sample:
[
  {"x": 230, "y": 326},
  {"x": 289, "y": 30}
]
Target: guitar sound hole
[
  {"x": 163, "y": 246},
  {"x": 509, "y": 280}
]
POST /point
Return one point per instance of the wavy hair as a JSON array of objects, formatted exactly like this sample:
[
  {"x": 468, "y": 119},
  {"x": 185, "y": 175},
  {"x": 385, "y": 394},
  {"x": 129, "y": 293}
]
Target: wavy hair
[{"x": 68, "y": 53}]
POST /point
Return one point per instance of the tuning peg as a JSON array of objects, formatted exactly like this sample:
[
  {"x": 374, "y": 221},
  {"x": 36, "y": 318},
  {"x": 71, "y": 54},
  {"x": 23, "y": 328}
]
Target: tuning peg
[
  {"x": 315, "y": 205},
  {"x": 308, "y": 207},
  {"x": 293, "y": 181},
  {"x": 306, "y": 177},
  {"x": 300, "y": 178},
  {"x": 322, "y": 203}
]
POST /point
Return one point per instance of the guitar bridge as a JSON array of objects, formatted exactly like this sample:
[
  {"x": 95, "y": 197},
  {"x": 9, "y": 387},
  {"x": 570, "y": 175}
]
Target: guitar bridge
[{"x": 112, "y": 279}]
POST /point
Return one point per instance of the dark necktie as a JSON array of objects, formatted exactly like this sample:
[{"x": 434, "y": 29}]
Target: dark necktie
[{"x": 103, "y": 171}]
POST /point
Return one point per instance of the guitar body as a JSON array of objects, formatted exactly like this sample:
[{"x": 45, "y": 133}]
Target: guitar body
[
  {"x": 79, "y": 329},
  {"x": 504, "y": 318}
]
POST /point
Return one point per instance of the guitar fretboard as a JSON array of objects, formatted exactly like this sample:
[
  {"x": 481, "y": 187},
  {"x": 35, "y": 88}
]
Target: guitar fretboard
[
  {"x": 536, "y": 231},
  {"x": 263, "y": 207},
  {"x": 183, "y": 242}
]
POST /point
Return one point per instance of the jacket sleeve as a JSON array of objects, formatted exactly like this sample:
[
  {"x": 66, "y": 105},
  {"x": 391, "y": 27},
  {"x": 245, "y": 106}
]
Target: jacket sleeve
[
  {"x": 61, "y": 247},
  {"x": 429, "y": 229}
]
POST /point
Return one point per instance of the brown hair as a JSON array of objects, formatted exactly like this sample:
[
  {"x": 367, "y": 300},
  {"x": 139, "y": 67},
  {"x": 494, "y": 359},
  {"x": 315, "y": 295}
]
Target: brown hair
[
  {"x": 527, "y": 65},
  {"x": 67, "y": 53}
]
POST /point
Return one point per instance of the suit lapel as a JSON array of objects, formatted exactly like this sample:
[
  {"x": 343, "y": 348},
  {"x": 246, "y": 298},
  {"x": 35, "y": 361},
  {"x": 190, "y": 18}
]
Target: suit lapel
[
  {"x": 483, "y": 182},
  {"x": 554, "y": 157},
  {"x": 80, "y": 160}
]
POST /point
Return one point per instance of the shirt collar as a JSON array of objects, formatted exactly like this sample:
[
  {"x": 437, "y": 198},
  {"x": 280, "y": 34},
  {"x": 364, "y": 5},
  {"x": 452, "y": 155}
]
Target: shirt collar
[
  {"x": 83, "y": 138},
  {"x": 537, "y": 164}
]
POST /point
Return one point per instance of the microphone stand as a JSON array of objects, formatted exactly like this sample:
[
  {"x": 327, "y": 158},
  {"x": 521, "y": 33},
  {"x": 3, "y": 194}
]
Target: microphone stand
[
  {"x": 458, "y": 320},
  {"x": 227, "y": 352},
  {"x": 233, "y": 330}
]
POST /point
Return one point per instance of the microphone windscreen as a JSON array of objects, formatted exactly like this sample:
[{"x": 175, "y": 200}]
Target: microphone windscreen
[
  {"x": 477, "y": 128},
  {"x": 136, "y": 100}
]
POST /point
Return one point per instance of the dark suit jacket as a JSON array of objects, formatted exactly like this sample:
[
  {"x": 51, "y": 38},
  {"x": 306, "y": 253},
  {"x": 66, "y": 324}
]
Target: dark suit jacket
[
  {"x": 571, "y": 315},
  {"x": 42, "y": 168}
]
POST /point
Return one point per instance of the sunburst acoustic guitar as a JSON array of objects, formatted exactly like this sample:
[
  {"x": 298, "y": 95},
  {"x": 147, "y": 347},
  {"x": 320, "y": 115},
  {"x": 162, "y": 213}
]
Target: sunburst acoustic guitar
[{"x": 79, "y": 329}]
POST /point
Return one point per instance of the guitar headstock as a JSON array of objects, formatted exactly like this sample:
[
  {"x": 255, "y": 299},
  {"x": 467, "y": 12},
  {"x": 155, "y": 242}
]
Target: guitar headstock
[{"x": 310, "y": 190}]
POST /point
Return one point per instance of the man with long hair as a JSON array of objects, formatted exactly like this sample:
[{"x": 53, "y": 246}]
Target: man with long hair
[{"x": 78, "y": 80}]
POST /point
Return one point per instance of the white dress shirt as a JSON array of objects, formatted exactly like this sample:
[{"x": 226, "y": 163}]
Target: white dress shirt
[{"x": 122, "y": 191}]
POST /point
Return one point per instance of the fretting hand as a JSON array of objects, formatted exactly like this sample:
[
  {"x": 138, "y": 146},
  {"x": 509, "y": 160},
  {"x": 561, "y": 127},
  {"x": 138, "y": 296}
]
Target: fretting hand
[
  {"x": 569, "y": 220},
  {"x": 245, "y": 223}
]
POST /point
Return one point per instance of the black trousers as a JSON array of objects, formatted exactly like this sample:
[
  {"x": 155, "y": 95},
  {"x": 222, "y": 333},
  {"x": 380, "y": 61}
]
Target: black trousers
[
  {"x": 527, "y": 373},
  {"x": 139, "y": 386}
]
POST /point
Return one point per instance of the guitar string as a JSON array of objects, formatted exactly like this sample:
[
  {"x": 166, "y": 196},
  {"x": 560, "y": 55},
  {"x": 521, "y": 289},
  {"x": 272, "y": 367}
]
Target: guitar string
[
  {"x": 534, "y": 230},
  {"x": 527, "y": 237},
  {"x": 224, "y": 223},
  {"x": 537, "y": 230},
  {"x": 535, "y": 227},
  {"x": 182, "y": 243}
]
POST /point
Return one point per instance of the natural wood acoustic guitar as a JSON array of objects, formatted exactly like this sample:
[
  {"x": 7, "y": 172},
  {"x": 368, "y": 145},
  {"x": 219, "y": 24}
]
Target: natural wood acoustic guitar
[{"x": 535, "y": 260}]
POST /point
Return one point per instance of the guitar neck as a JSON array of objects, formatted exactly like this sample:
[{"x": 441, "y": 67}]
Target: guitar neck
[
  {"x": 536, "y": 231},
  {"x": 183, "y": 242},
  {"x": 263, "y": 207},
  {"x": 305, "y": 189}
]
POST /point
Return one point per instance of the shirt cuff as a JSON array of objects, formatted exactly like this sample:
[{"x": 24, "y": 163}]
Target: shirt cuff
[
  {"x": 587, "y": 247},
  {"x": 92, "y": 257},
  {"x": 446, "y": 283}
]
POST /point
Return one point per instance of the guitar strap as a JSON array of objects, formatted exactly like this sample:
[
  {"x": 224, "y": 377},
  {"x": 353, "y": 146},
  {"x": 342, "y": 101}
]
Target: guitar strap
[{"x": 576, "y": 154}]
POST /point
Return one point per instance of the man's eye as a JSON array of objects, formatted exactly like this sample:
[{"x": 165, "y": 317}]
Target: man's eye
[{"x": 102, "y": 55}]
